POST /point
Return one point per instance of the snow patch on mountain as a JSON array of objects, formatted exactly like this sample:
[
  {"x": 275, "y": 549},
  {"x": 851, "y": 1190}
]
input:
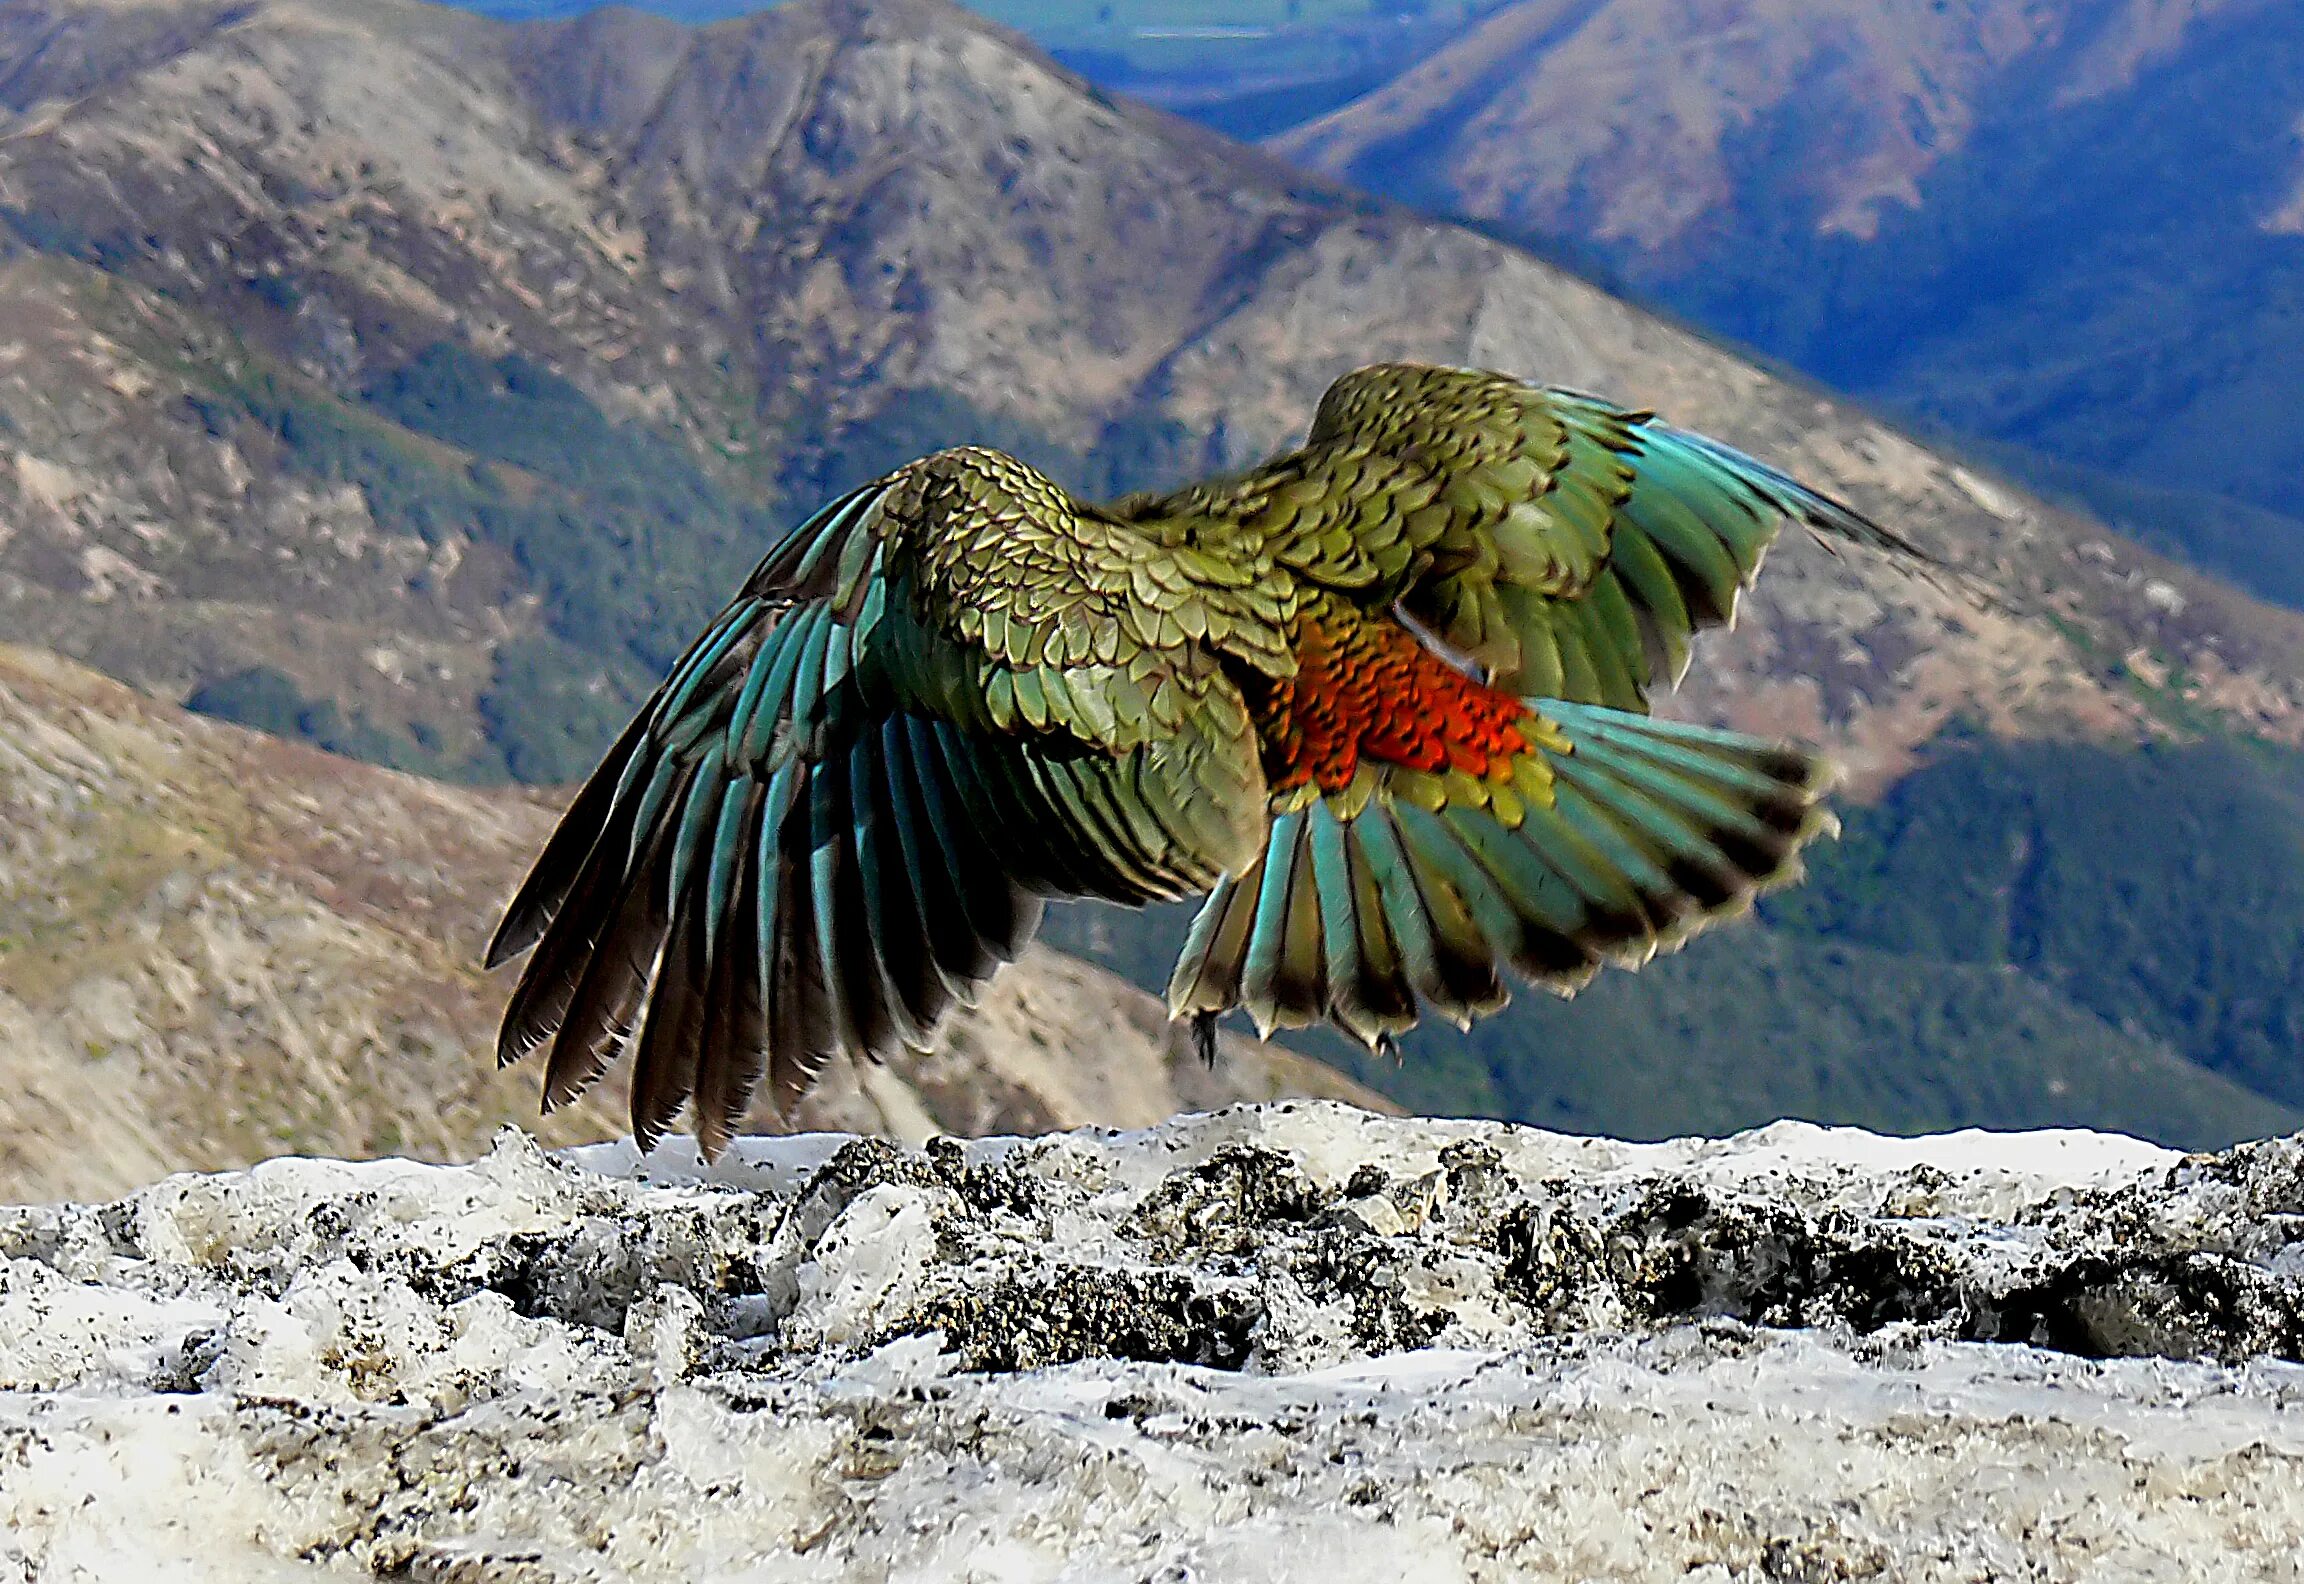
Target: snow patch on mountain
[{"x": 1294, "y": 1341}]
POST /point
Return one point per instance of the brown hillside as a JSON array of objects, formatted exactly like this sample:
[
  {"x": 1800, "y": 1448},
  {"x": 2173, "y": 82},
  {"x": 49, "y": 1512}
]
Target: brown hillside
[
  {"x": 216, "y": 946},
  {"x": 737, "y": 232}
]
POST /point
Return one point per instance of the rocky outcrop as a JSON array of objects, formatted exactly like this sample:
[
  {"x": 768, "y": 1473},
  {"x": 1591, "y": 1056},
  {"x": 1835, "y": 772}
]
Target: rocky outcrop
[{"x": 1291, "y": 1341}]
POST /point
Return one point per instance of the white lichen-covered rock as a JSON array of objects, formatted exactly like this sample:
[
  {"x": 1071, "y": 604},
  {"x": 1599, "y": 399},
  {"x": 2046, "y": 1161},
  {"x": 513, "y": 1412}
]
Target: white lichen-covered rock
[{"x": 1284, "y": 1342}]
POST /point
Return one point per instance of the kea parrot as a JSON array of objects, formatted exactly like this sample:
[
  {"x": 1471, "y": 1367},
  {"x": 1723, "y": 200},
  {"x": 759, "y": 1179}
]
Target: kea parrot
[{"x": 1383, "y": 698}]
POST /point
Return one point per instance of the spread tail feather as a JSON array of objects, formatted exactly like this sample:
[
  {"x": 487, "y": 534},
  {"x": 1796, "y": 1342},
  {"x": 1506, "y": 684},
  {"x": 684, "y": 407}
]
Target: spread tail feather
[{"x": 1360, "y": 911}]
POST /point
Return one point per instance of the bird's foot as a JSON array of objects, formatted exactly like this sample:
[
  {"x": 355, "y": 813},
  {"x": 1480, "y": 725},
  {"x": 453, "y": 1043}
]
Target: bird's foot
[{"x": 1204, "y": 1037}]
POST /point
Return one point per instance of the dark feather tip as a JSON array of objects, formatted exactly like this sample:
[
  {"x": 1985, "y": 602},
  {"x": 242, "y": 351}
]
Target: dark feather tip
[{"x": 513, "y": 936}]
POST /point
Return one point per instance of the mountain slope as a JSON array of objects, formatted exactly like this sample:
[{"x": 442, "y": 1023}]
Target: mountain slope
[
  {"x": 2015, "y": 934},
  {"x": 2073, "y": 227},
  {"x": 215, "y": 946},
  {"x": 415, "y": 382}
]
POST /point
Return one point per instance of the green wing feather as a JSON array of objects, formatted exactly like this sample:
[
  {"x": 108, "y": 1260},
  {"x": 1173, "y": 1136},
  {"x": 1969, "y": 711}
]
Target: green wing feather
[
  {"x": 1686, "y": 539},
  {"x": 1570, "y": 546},
  {"x": 946, "y": 696}
]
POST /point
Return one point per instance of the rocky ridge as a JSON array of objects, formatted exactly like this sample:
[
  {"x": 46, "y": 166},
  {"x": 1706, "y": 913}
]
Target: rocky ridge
[{"x": 1289, "y": 1341}]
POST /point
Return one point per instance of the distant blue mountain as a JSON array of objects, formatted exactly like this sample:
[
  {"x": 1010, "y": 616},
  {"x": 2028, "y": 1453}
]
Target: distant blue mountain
[{"x": 2075, "y": 229}]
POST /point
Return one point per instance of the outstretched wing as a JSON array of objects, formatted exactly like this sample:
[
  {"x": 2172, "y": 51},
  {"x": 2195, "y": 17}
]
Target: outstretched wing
[
  {"x": 949, "y": 694},
  {"x": 1570, "y": 546}
]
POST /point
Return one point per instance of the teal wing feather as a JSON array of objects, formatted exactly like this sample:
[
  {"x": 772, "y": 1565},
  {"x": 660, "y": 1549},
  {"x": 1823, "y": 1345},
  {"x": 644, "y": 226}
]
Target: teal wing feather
[
  {"x": 1615, "y": 837},
  {"x": 947, "y": 696}
]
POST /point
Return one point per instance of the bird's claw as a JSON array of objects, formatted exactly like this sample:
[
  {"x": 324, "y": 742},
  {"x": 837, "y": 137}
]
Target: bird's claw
[{"x": 1204, "y": 1037}]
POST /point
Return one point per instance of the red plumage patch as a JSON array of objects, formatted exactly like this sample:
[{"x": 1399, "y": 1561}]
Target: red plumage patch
[{"x": 1368, "y": 688}]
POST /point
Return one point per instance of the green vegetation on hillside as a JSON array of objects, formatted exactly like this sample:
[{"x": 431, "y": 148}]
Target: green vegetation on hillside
[
  {"x": 270, "y": 701},
  {"x": 629, "y": 543},
  {"x": 2018, "y": 935},
  {"x": 2160, "y": 890}
]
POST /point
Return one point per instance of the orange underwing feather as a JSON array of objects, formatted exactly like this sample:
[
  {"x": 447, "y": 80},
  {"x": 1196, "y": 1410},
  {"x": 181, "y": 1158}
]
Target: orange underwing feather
[{"x": 1368, "y": 688}]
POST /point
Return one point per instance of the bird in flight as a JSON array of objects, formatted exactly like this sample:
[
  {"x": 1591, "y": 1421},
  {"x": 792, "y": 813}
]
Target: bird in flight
[{"x": 1383, "y": 698}]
